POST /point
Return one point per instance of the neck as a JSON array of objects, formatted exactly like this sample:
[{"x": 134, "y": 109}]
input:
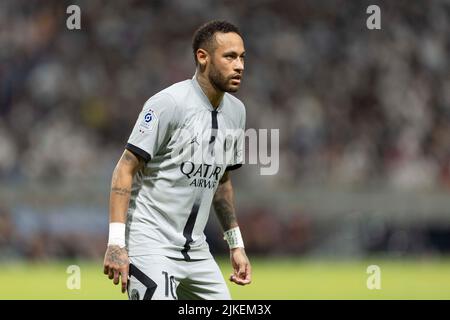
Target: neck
[{"x": 213, "y": 94}]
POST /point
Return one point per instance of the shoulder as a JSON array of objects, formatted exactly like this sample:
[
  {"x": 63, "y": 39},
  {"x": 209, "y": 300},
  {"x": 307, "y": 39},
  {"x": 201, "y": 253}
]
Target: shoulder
[
  {"x": 178, "y": 91},
  {"x": 235, "y": 102},
  {"x": 236, "y": 107},
  {"x": 170, "y": 96},
  {"x": 167, "y": 101}
]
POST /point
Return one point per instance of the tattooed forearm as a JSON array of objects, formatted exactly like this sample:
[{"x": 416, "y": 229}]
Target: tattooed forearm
[
  {"x": 223, "y": 205},
  {"x": 121, "y": 191},
  {"x": 225, "y": 213},
  {"x": 121, "y": 185},
  {"x": 128, "y": 165}
]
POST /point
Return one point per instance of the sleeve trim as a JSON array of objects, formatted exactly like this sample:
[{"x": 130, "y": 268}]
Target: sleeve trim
[
  {"x": 138, "y": 152},
  {"x": 234, "y": 167}
]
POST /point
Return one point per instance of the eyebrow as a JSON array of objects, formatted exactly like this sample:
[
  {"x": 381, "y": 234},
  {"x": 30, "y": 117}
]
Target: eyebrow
[{"x": 233, "y": 52}]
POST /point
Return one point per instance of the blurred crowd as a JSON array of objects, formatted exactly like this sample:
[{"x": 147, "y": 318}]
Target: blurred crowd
[
  {"x": 35, "y": 235},
  {"x": 355, "y": 107},
  {"x": 83, "y": 234}
]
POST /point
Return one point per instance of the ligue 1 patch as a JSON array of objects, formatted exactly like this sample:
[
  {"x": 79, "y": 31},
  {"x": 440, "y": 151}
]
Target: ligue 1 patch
[{"x": 148, "y": 121}]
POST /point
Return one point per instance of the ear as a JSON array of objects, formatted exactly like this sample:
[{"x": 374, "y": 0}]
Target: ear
[{"x": 202, "y": 57}]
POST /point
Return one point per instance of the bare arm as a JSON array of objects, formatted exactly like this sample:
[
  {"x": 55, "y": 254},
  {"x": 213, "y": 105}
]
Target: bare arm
[
  {"x": 223, "y": 203},
  {"x": 121, "y": 183},
  {"x": 116, "y": 258}
]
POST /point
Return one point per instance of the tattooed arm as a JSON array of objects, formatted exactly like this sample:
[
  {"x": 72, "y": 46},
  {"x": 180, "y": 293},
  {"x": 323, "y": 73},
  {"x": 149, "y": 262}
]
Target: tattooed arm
[
  {"x": 223, "y": 203},
  {"x": 121, "y": 182},
  {"x": 116, "y": 259}
]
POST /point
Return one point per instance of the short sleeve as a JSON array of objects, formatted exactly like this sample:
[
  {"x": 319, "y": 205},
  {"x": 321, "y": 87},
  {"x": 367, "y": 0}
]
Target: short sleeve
[
  {"x": 152, "y": 126},
  {"x": 238, "y": 151}
]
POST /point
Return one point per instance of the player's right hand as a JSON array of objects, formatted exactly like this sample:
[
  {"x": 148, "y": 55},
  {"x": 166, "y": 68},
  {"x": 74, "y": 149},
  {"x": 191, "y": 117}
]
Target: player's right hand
[{"x": 116, "y": 265}]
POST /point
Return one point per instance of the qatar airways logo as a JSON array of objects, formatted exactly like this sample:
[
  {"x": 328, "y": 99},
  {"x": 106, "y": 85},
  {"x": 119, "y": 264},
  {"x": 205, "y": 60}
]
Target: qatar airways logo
[
  {"x": 201, "y": 175},
  {"x": 223, "y": 148}
]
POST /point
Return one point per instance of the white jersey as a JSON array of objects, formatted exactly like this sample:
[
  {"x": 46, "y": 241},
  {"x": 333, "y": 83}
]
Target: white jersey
[{"x": 187, "y": 146}]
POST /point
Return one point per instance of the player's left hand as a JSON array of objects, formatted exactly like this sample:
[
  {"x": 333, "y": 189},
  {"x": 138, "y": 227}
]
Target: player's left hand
[{"x": 241, "y": 265}]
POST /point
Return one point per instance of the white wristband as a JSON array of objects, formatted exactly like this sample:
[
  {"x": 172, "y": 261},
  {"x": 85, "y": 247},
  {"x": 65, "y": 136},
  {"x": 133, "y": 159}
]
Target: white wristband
[
  {"x": 116, "y": 234},
  {"x": 234, "y": 238}
]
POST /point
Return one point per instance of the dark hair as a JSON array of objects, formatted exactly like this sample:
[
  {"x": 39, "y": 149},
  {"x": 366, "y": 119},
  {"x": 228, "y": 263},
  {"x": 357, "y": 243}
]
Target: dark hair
[{"x": 204, "y": 36}]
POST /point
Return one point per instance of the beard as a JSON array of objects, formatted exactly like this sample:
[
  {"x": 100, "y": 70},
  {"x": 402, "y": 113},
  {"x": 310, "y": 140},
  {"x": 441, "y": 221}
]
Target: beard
[{"x": 219, "y": 81}]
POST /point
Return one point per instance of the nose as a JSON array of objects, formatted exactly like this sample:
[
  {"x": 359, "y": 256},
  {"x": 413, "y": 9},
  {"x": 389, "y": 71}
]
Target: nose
[{"x": 239, "y": 65}]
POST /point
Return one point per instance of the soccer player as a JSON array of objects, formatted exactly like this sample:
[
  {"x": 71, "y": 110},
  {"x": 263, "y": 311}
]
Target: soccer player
[{"x": 161, "y": 193}]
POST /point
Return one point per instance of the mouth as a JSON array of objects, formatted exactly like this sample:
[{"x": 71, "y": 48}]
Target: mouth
[{"x": 236, "y": 78}]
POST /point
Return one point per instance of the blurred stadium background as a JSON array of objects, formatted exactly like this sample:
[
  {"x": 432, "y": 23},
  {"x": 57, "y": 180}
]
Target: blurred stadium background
[{"x": 364, "y": 140}]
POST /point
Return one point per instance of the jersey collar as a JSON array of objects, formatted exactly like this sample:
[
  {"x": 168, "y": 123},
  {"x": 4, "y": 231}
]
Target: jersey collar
[{"x": 203, "y": 96}]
